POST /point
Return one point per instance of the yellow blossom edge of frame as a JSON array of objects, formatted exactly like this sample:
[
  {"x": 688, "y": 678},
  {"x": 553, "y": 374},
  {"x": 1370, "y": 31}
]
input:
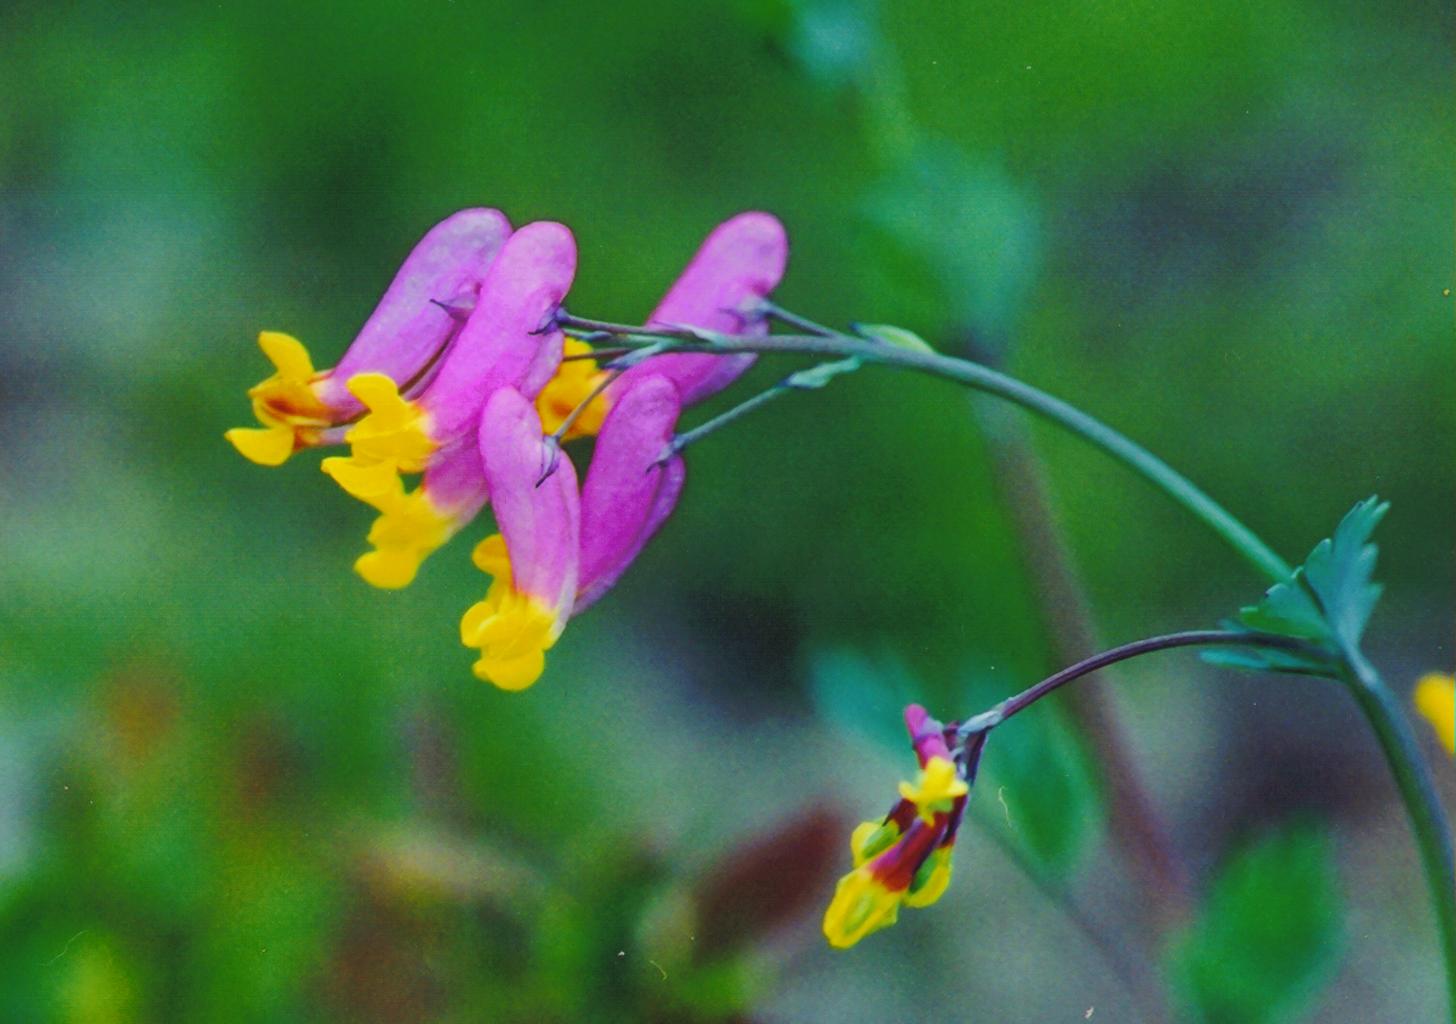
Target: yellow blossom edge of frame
[{"x": 1435, "y": 699}]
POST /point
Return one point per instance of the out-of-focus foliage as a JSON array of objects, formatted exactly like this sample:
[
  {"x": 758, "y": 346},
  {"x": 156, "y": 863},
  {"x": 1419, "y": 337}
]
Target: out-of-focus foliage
[
  {"x": 237, "y": 784},
  {"x": 1268, "y": 935}
]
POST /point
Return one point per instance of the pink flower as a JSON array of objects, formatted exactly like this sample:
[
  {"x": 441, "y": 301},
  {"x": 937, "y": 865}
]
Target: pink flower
[
  {"x": 535, "y": 557},
  {"x": 500, "y": 346},
  {"x": 630, "y": 487},
  {"x": 405, "y": 339},
  {"x": 740, "y": 262},
  {"x": 558, "y": 549},
  {"x": 420, "y": 374}
]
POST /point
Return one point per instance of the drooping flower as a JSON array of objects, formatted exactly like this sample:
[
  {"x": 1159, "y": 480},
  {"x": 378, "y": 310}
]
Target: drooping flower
[
  {"x": 405, "y": 338},
  {"x": 558, "y": 549},
  {"x": 905, "y": 858},
  {"x": 1435, "y": 699},
  {"x": 633, "y": 481},
  {"x": 536, "y": 556},
  {"x": 740, "y": 262},
  {"x": 434, "y": 431}
]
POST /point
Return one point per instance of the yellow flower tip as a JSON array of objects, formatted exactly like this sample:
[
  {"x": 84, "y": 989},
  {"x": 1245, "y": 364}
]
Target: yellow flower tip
[
  {"x": 378, "y": 392},
  {"x": 1435, "y": 699},
  {"x": 409, "y": 529},
  {"x": 573, "y": 382},
  {"x": 395, "y": 430},
  {"x": 938, "y": 784},
  {"x": 512, "y": 630},
  {"x": 375, "y": 483},
  {"x": 861, "y": 906},
  {"x": 290, "y": 359},
  {"x": 931, "y": 880},
  {"x": 388, "y": 569},
  {"x": 266, "y": 446},
  {"x": 512, "y": 674},
  {"x": 490, "y": 557},
  {"x": 286, "y": 404}
]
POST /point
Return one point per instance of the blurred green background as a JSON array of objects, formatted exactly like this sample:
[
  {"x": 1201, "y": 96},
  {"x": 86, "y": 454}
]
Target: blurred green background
[{"x": 237, "y": 784}]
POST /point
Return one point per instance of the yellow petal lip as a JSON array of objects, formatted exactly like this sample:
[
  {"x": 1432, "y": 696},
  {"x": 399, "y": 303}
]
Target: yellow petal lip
[
  {"x": 395, "y": 431},
  {"x": 574, "y": 381},
  {"x": 1435, "y": 699},
  {"x": 512, "y": 630},
  {"x": 861, "y": 906},
  {"x": 287, "y": 354},
  {"x": 387, "y": 569},
  {"x": 369, "y": 482},
  {"x": 513, "y": 674},
  {"x": 266, "y": 446},
  {"x": 490, "y": 557},
  {"x": 939, "y": 784},
  {"x": 286, "y": 404}
]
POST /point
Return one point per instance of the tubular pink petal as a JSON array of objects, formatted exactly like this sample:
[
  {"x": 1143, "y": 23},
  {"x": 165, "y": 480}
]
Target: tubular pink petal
[
  {"x": 738, "y": 265},
  {"x": 626, "y": 498},
  {"x": 500, "y": 346},
  {"x": 927, "y": 735},
  {"x": 407, "y": 333},
  {"x": 540, "y": 523},
  {"x": 456, "y": 478}
]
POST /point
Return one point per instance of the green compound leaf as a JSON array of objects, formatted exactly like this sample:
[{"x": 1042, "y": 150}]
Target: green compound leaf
[
  {"x": 1267, "y": 938},
  {"x": 1263, "y": 659},
  {"x": 1341, "y": 572},
  {"x": 1327, "y": 601}
]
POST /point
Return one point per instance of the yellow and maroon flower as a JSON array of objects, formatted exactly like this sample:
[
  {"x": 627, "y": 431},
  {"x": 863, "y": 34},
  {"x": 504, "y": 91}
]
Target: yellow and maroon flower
[
  {"x": 905, "y": 859},
  {"x": 1435, "y": 699}
]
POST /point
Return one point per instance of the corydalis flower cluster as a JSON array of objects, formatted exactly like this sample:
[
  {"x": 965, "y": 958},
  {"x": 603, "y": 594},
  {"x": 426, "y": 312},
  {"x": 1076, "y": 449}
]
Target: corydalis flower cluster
[
  {"x": 456, "y": 378},
  {"x": 904, "y": 859}
]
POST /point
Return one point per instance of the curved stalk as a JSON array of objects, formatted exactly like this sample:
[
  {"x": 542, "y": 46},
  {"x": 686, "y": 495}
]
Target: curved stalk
[
  {"x": 1017, "y": 703},
  {"x": 1432, "y": 832},
  {"x": 981, "y": 378},
  {"x": 1428, "y": 820}
]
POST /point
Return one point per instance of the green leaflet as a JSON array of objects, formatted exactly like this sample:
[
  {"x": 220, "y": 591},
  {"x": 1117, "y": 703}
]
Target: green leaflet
[
  {"x": 1327, "y": 601},
  {"x": 889, "y": 334},
  {"x": 818, "y": 376},
  {"x": 1268, "y": 936},
  {"x": 1341, "y": 571}
]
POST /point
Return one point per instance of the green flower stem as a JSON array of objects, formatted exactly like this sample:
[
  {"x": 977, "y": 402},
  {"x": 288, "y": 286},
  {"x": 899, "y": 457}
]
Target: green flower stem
[
  {"x": 1018, "y": 703},
  {"x": 1428, "y": 820},
  {"x": 981, "y": 378}
]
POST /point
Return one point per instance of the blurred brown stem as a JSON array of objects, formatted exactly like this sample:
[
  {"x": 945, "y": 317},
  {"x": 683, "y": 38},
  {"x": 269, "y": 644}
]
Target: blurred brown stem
[{"x": 1072, "y": 636}]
